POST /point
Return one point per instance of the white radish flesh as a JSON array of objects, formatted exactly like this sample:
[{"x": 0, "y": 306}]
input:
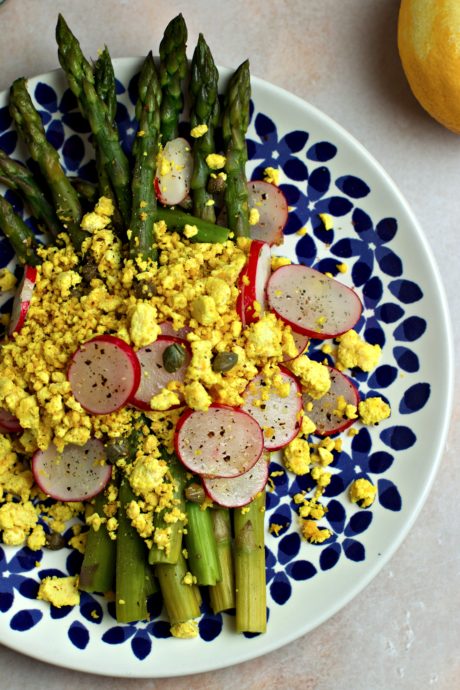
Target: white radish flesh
[
  {"x": 103, "y": 374},
  {"x": 324, "y": 412},
  {"x": 252, "y": 282},
  {"x": 239, "y": 491},
  {"x": 301, "y": 342},
  {"x": 311, "y": 302},
  {"x": 9, "y": 424},
  {"x": 168, "y": 329},
  {"x": 174, "y": 172},
  {"x": 22, "y": 299},
  {"x": 154, "y": 376},
  {"x": 76, "y": 474},
  {"x": 278, "y": 417},
  {"x": 221, "y": 442},
  {"x": 272, "y": 207}
]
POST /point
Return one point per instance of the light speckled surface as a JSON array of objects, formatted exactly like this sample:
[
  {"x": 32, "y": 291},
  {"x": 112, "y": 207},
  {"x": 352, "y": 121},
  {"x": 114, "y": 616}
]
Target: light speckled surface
[{"x": 403, "y": 631}]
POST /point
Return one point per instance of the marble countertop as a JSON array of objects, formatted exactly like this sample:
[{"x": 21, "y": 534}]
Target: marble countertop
[{"x": 403, "y": 630}]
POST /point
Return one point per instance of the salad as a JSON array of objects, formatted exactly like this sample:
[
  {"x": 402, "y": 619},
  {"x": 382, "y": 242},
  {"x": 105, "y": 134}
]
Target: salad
[{"x": 157, "y": 350}]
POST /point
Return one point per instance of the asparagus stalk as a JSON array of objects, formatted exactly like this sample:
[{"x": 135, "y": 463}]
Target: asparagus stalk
[
  {"x": 97, "y": 572},
  {"x": 81, "y": 81},
  {"x": 200, "y": 543},
  {"x": 145, "y": 153},
  {"x": 222, "y": 595},
  {"x": 179, "y": 598},
  {"x": 133, "y": 573},
  {"x": 235, "y": 122},
  {"x": 204, "y": 110},
  {"x": 173, "y": 68},
  {"x": 207, "y": 231},
  {"x": 30, "y": 127},
  {"x": 87, "y": 191},
  {"x": 16, "y": 176},
  {"x": 251, "y": 604},
  {"x": 172, "y": 553},
  {"x": 21, "y": 237},
  {"x": 105, "y": 85}
]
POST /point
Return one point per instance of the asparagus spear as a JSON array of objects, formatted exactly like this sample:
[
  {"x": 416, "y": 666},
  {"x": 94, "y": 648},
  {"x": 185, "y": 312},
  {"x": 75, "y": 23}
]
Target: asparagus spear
[
  {"x": 173, "y": 68},
  {"x": 16, "y": 176},
  {"x": 134, "y": 577},
  {"x": 87, "y": 191},
  {"x": 251, "y": 605},
  {"x": 206, "y": 231},
  {"x": 105, "y": 85},
  {"x": 204, "y": 110},
  {"x": 179, "y": 598},
  {"x": 235, "y": 122},
  {"x": 145, "y": 153},
  {"x": 171, "y": 555},
  {"x": 201, "y": 545},
  {"x": 30, "y": 127},
  {"x": 97, "y": 572},
  {"x": 222, "y": 595},
  {"x": 21, "y": 237},
  {"x": 81, "y": 81}
]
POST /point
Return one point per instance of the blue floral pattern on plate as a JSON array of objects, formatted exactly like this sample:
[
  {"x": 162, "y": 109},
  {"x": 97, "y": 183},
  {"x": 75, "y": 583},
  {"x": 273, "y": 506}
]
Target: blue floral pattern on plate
[{"x": 393, "y": 316}]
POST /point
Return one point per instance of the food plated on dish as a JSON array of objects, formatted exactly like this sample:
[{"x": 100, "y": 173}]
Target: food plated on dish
[{"x": 155, "y": 359}]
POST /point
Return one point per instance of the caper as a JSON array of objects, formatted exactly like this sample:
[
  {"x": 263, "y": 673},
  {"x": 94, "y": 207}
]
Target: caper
[
  {"x": 116, "y": 448},
  {"x": 173, "y": 357},
  {"x": 224, "y": 361},
  {"x": 55, "y": 541}
]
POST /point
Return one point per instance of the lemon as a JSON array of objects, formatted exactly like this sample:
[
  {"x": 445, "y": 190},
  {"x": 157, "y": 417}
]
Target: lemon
[{"x": 429, "y": 47}]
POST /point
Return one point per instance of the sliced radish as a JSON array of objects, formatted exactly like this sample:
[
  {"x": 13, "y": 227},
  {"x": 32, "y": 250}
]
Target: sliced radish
[
  {"x": 168, "y": 329},
  {"x": 272, "y": 206},
  {"x": 76, "y": 474},
  {"x": 103, "y": 374},
  {"x": 22, "y": 299},
  {"x": 301, "y": 342},
  {"x": 154, "y": 376},
  {"x": 252, "y": 282},
  {"x": 311, "y": 302},
  {"x": 9, "y": 423},
  {"x": 174, "y": 172},
  {"x": 278, "y": 417},
  {"x": 221, "y": 442},
  {"x": 322, "y": 413},
  {"x": 239, "y": 491}
]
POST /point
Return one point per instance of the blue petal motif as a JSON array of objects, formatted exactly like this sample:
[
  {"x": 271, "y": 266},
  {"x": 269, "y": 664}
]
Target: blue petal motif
[
  {"x": 301, "y": 570},
  {"x": 406, "y": 291},
  {"x": 46, "y": 96},
  {"x": 354, "y": 550},
  {"x": 73, "y": 152},
  {"x": 383, "y": 376},
  {"x": 406, "y": 359},
  {"x": 322, "y": 151},
  {"x": 288, "y": 547},
  {"x": 210, "y": 627},
  {"x": 25, "y": 619},
  {"x": 141, "y": 645},
  {"x": 329, "y": 556},
  {"x": 359, "y": 522},
  {"x": 415, "y": 398},
  {"x": 389, "y": 496},
  {"x": 118, "y": 634},
  {"x": 8, "y": 142},
  {"x": 78, "y": 635},
  {"x": 280, "y": 589},
  {"x": 411, "y": 329},
  {"x": 380, "y": 462},
  {"x": 398, "y": 437},
  {"x": 352, "y": 186},
  {"x": 5, "y": 118}
]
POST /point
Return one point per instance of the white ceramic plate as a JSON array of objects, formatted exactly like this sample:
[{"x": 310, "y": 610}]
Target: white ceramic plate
[{"x": 323, "y": 170}]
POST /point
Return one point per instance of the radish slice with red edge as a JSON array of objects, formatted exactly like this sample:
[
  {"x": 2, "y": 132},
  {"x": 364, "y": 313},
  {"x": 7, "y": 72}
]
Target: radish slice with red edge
[
  {"x": 174, "y": 172},
  {"x": 311, "y": 302},
  {"x": 103, "y": 374},
  {"x": 272, "y": 206},
  {"x": 154, "y": 376},
  {"x": 322, "y": 414},
  {"x": 22, "y": 299},
  {"x": 237, "y": 492},
  {"x": 221, "y": 442},
  {"x": 278, "y": 417},
  {"x": 76, "y": 474},
  {"x": 301, "y": 342},
  {"x": 252, "y": 282},
  {"x": 9, "y": 424}
]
